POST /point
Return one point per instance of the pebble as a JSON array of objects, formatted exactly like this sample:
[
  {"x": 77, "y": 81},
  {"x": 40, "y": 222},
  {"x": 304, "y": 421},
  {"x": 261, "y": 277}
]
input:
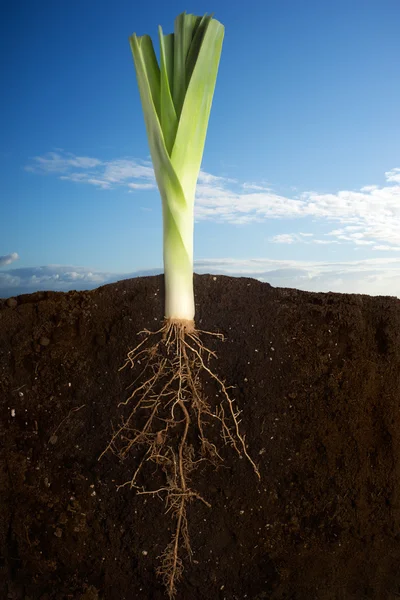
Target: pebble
[
  {"x": 12, "y": 302},
  {"x": 44, "y": 341}
]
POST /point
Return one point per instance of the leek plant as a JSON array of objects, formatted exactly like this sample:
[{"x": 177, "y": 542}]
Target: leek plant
[
  {"x": 176, "y": 96},
  {"x": 176, "y": 99}
]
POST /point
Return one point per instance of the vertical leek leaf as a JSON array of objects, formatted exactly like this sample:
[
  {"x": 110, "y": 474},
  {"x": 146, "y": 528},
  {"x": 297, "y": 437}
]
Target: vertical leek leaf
[
  {"x": 168, "y": 183},
  {"x": 169, "y": 58},
  {"x": 169, "y": 122},
  {"x": 184, "y": 27},
  {"x": 192, "y": 129},
  {"x": 152, "y": 69},
  {"x": 195, "y": 46}
]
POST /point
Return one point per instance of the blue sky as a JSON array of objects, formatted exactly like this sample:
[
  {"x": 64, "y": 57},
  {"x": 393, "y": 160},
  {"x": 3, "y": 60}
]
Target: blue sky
[{"x": 300, "y": 182}]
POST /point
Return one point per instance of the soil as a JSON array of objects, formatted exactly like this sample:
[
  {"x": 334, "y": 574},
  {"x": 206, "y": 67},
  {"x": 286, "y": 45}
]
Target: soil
[{"x": 317, "y": 377}]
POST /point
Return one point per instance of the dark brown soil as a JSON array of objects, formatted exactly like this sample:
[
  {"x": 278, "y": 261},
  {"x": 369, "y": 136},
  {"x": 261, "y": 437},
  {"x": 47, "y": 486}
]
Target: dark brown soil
[{"x": 318, "y": 379}]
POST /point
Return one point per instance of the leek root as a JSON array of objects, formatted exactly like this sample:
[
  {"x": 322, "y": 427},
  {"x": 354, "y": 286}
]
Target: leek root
[{"x": 169, "y": 399}]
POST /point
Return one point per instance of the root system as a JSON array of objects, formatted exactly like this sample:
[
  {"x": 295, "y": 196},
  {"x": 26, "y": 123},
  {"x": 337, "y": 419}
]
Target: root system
[{"x": 169, "y": 422}]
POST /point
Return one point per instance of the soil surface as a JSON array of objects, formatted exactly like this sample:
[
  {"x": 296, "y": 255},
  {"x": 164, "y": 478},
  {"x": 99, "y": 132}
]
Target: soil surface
[{"x": 317, "y": 377}]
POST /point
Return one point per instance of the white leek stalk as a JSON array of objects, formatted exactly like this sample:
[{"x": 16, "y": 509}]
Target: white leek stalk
[{"x": 176, "y": 99}]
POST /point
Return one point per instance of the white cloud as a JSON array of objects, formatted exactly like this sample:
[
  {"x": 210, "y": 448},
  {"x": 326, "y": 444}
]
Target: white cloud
[
  {"x": 208, "y": 178},
  {"x": 369, "y": 188},
  {"x": 285, "y": 238},
  {"x": 99, "y": 182},
  {"x": 368, "y": 217},
  {"x": 7, "y": 259},
  {"x": 256, "y": 186},
  {"x": 393, "y": 175},
  {"x": 142, "y": 186},
  {"x": 102, "y": 174},
  {"x": 118, "y": 171},
  {"x": 299, "y": 238},
  {"x": 78, "y": 177},
  {"x": 84, "y": 162},
  {"x": 388, "y": 248},
  {"x": 218, "y": 202},
  {"x": 54, "y": 162}
]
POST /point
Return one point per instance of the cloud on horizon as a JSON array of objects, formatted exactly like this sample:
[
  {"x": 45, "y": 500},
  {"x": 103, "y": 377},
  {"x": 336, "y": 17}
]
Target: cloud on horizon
[
  {"x": 372, "y": 276},
  {"x": 7, "y": 259}
]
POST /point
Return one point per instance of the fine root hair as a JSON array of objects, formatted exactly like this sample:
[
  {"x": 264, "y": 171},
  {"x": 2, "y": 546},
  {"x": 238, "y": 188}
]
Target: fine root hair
[{"x": 167, "y": 421}]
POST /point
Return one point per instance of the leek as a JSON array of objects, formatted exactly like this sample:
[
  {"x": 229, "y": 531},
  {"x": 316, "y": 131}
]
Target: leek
[{"x": 176, "y": 97}]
